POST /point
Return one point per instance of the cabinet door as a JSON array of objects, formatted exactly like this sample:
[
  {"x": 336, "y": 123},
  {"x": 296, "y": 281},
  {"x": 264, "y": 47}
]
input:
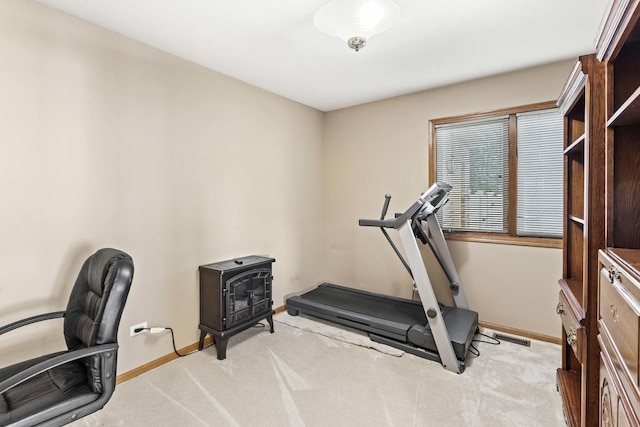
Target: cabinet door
[
  {"x": 608, "y": 396},
  {"x": 623, "y": 418}
]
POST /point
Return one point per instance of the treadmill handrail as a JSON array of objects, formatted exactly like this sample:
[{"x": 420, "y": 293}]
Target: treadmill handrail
[
  {"x": 434, "y": 192},
  {"x": 384, "y": 223}
]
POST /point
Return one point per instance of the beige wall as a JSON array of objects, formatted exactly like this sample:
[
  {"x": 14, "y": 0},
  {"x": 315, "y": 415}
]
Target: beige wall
[
  {"x": 383, "y": 147},
  {"x": 107, "y": 142}
]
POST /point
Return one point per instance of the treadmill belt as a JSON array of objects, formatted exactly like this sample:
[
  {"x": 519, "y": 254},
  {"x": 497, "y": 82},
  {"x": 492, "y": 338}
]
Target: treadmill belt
[{"x": 369, "y": 304}]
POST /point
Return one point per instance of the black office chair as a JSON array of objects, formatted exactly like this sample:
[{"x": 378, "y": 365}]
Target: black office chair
[{"x": 59, "y": 388}]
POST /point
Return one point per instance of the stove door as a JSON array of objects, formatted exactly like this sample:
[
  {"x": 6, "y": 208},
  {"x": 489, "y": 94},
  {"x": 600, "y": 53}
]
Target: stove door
[{"x": 248, "y": 295}]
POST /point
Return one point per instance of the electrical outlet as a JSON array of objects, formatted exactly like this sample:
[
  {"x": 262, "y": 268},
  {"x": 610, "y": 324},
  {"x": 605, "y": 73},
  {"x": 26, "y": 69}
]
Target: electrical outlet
[{"x": 132, "y": 329}]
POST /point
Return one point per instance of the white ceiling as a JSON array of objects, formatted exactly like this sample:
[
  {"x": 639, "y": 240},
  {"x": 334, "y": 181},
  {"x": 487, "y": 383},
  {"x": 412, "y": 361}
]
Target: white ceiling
[{"x": 274, "y": 45}]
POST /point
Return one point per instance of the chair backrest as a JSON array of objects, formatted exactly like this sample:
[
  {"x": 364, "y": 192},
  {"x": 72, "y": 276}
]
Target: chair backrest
[
  {"x": 97, "y": 299},
  {"x": 95, "y": 306}
]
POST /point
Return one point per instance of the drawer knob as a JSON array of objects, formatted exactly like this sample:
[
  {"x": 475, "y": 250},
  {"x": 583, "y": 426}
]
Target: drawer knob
[
  {"x": 560, "y": 308},
  {"x": 614, "y": 313},
  {"x": 614, "y": 274},
  {"x": 572, "y": 336}
]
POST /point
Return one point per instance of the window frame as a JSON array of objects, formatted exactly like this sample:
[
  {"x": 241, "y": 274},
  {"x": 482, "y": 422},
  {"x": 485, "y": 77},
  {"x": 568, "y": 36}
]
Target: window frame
[{"x": 510, "y": 237}]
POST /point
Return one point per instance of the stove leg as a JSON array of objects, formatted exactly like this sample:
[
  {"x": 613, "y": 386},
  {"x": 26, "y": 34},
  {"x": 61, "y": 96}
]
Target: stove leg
[
  {"x": 221, "y": 346},
  {"x": 203, "y": 334},
  {"x": 270, "y": 320}
]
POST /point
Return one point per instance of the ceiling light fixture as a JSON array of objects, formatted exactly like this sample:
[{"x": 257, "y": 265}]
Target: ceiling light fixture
[{"x": 356, "y": 21}]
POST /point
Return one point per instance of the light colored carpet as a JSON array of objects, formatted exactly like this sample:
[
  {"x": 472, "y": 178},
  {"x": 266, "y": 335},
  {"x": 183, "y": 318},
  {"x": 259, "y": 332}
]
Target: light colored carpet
[
  {"x": 296, "y": 377},
  {"x": 336, "y": 332}
]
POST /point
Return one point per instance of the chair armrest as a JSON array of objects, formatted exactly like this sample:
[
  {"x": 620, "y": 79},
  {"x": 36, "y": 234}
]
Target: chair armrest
[
  {"x": 30, "y": 320},
  {"x": 53, "y": 362}
]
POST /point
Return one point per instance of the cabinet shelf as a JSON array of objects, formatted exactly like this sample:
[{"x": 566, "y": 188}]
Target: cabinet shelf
[
  {"x": 577, "y": 147},
  {"x": 568, "y": 383},
  {"x": 629, "y": 113},
  {"x": 623, "y": 187},
  {"x": 576, "y": 219}
]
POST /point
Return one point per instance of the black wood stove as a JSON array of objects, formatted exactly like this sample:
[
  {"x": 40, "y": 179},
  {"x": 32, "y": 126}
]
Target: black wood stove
[{"x": 234, "y": 295}]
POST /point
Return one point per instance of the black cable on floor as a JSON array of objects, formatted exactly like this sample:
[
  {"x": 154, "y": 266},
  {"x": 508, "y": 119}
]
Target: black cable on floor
[
  {"x": 474, "y": 350},
  {"x": 173, "y": 340},
  {"x": 175, "y": 350}
]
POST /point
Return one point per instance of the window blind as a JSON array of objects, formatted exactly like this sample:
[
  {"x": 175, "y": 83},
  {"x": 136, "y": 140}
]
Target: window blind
[
  {"x": 540, "y": 173},
  {"x": 473, "y": 157}
]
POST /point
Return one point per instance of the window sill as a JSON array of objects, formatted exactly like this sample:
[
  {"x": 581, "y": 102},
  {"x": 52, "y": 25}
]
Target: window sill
[{"x": 503, "y": 239}]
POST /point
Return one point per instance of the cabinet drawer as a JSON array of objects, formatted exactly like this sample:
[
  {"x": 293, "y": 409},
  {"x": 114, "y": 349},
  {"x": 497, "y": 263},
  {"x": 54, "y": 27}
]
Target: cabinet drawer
[
  {"x": 572, "y": 326},
  {"x": 620, "y": 317}
]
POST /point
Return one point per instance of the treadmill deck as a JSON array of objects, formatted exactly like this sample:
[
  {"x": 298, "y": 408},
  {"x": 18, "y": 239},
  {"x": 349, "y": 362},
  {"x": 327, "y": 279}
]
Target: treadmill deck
[{"x": 383, "y": 315}]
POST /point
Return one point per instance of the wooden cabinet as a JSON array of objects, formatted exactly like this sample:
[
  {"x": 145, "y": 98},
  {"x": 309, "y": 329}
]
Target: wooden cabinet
[
  {"x": 619, "y": 287},
  {"x": 581, "y": 103},
  {"x": 599, "y": 296}
]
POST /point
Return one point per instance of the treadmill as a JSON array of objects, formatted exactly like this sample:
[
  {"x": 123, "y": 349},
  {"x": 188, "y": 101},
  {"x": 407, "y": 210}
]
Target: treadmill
[{"x": 424, "y": 328}]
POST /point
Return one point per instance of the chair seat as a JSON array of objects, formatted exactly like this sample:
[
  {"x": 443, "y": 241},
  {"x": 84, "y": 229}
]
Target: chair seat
[{"x": 56, "y": 391}]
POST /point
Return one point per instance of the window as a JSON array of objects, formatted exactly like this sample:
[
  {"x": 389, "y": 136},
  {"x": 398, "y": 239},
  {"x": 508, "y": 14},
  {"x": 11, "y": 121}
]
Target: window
[
  {"x": 540, "y": 176},
  {"x": 473, "y": 157},
  {"x": 506, "y": 170}
]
